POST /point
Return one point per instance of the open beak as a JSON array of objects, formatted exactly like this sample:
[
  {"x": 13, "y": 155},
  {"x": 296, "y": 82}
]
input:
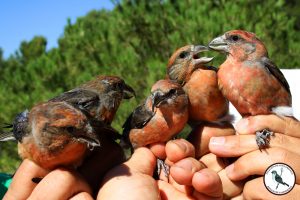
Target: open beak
[
  {"x": 200, "y": 60},
  {"x": 128, "y": 92},
  {"x": 157, "y": 99},
  {"x": 219, "y": 44}
]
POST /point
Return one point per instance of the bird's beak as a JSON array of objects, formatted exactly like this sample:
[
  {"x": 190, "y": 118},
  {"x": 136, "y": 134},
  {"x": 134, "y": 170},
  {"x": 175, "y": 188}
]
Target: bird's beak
[
  {"x": 200, "y": 60},
  {"x": 219, "y": 44},
  {"x": 157, "y": 99},
  {"x": 128, "y": 92}
]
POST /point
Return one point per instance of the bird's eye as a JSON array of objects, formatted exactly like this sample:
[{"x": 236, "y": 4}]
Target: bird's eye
[
  {"x": 183, "y": 54},
  {"x": 234, "y": 38},
  {"x": 70, "y": 129},
  {"x": 172, "y": 91}
]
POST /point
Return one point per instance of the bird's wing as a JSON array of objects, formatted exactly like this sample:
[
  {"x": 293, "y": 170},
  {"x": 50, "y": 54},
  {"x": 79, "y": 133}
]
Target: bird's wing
[
  {"x": 275, "y": 71},
  {"x": 136, "y": 120},
  {"x": 79, "y": 98}
]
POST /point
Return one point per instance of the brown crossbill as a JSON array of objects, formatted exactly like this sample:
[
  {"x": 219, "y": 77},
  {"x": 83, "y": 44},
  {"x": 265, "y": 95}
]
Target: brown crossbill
[
  {"x": 99, "y": 98},
  {"x": 92, "y": 105},
  {"x": 250, "y": 80}
]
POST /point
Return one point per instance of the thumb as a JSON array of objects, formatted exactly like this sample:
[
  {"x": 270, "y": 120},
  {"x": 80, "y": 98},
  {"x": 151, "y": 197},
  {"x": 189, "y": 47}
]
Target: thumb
[{"x": 142, "y": 161}]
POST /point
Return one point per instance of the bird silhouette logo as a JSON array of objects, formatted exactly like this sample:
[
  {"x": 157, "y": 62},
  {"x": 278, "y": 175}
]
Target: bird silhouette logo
[{"x": 279, "y": 178}]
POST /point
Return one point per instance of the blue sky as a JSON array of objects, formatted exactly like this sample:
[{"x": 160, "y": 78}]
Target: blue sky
[{"x": 23, "y": 19}]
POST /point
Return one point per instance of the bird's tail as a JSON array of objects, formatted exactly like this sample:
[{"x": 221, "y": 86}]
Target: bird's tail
[
  {"x": 283, "y": 111},
  {"x": 285, "y": 184},
  {"x": 7, "y": 136}
]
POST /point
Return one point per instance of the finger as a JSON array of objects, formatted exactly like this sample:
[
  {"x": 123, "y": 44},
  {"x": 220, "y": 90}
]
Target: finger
[
  {"x": 158, "y": 149},
  {"x": 167, "y": 191},
  {"x": 178, "y": 149},
  {"x": 255, "y": 189},
  {"x": 230, "y": 188},
  {"x": 256, "y": 163},
  {"x": 183, "y": 171},
  {"x": 286, "y": 125},
  {"x": 201, "y": 135},
  {"x": 82, "y": 196},
  {"x": 207, "y": 183},
  {"x": 232, "y": 146},
  {"x": 22, "y": 185},
  {"x": 142, "y": 161},
  {"x": 60, "y": 184},
  {"x": 132, "y": 178},
  {"x": 237, "y": 145},
  {"x": 213, "y": 162}
]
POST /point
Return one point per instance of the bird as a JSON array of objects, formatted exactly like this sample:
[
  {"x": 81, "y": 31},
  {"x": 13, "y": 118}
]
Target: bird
[
  {"x": 161, "y": 116},
  {"x": 278, "y": 179},
  {"x": 54, "y": 134},
  {"x": 250, "y": 80},
  {"x": 199, "y": 81},
  {"x": 99, "y": 98},
  {"x": 95, "y": 101}
]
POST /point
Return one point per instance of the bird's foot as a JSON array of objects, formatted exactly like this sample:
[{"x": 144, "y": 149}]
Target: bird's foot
[
  {"x": 263, "y": 138},
  {"x": 36, "y": 179},
  {"x": 162, "y": 166}
]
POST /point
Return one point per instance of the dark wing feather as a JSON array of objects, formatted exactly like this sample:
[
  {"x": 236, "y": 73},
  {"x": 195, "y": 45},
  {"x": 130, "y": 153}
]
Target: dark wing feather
[
  {"x": 79, "y": 98},
  {"x": 275, "y": 71},
  {"x": 136, "y": 120},
  {"x": 105, "y": 129}
]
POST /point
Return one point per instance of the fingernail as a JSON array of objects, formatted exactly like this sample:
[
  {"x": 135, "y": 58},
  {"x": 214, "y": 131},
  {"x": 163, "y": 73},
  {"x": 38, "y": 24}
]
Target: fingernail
[
  {"x": 217, "y": 140},
  {"x": 242, "y": 125},
  {"x": 181, "y": 145},
  {"x": 229, "y": 169}
]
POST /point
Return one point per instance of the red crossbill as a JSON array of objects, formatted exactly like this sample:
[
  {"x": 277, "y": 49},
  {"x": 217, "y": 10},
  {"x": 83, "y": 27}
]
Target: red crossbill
[
  {"x": 250, "y": 80},
  {"x": 159, "y": 118},
  {"x": 54, "y": 134},
  {"x": 206, "y": 102}
]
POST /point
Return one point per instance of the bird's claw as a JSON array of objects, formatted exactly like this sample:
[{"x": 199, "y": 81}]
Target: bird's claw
[
  {"x": 162, "y": 166},
  {"x": 263, "y": 138}
]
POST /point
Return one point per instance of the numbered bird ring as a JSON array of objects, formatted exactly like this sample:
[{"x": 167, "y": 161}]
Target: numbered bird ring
[{"x": 279, "y": 179}]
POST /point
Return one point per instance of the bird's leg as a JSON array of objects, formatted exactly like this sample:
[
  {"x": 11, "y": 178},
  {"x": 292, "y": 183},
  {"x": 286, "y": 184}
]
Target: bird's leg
[
  {"x": 162, "y": 166},
  {"x": 263, "y": 138}
]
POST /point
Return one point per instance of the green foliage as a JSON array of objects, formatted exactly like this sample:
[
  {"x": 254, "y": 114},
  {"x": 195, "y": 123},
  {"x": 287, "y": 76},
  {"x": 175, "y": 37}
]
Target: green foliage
[{"x": 134, "y": 41}]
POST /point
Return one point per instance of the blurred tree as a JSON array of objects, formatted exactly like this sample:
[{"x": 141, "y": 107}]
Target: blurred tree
[{"x": 32, "y": 49}]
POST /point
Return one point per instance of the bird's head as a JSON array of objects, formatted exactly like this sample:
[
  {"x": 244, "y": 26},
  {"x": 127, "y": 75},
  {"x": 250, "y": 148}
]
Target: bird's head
[
  {"x": 274, "y": 172},
  {"x": 116, "y": 84},
  {"x": 184, "y": 61},
  {"x": 167, "y": 93},
  {"x": 57, "y": 124},
  {"x": 239, "y": 44}
]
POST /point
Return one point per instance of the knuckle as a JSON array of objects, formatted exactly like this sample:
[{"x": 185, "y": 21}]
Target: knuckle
[
  {"x": 280, "y": 155},
  {"x": 279, "y": 140},
  {"x": 291, "y": 125}
]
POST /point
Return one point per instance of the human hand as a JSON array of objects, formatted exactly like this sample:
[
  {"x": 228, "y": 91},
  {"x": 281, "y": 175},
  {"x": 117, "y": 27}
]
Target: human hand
[
  {"x": 189, "y": 179},
  {"x": 200, "y": 137},
  {"x": 64, "y": 183},
  {"x": 284, "y": 147}
]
